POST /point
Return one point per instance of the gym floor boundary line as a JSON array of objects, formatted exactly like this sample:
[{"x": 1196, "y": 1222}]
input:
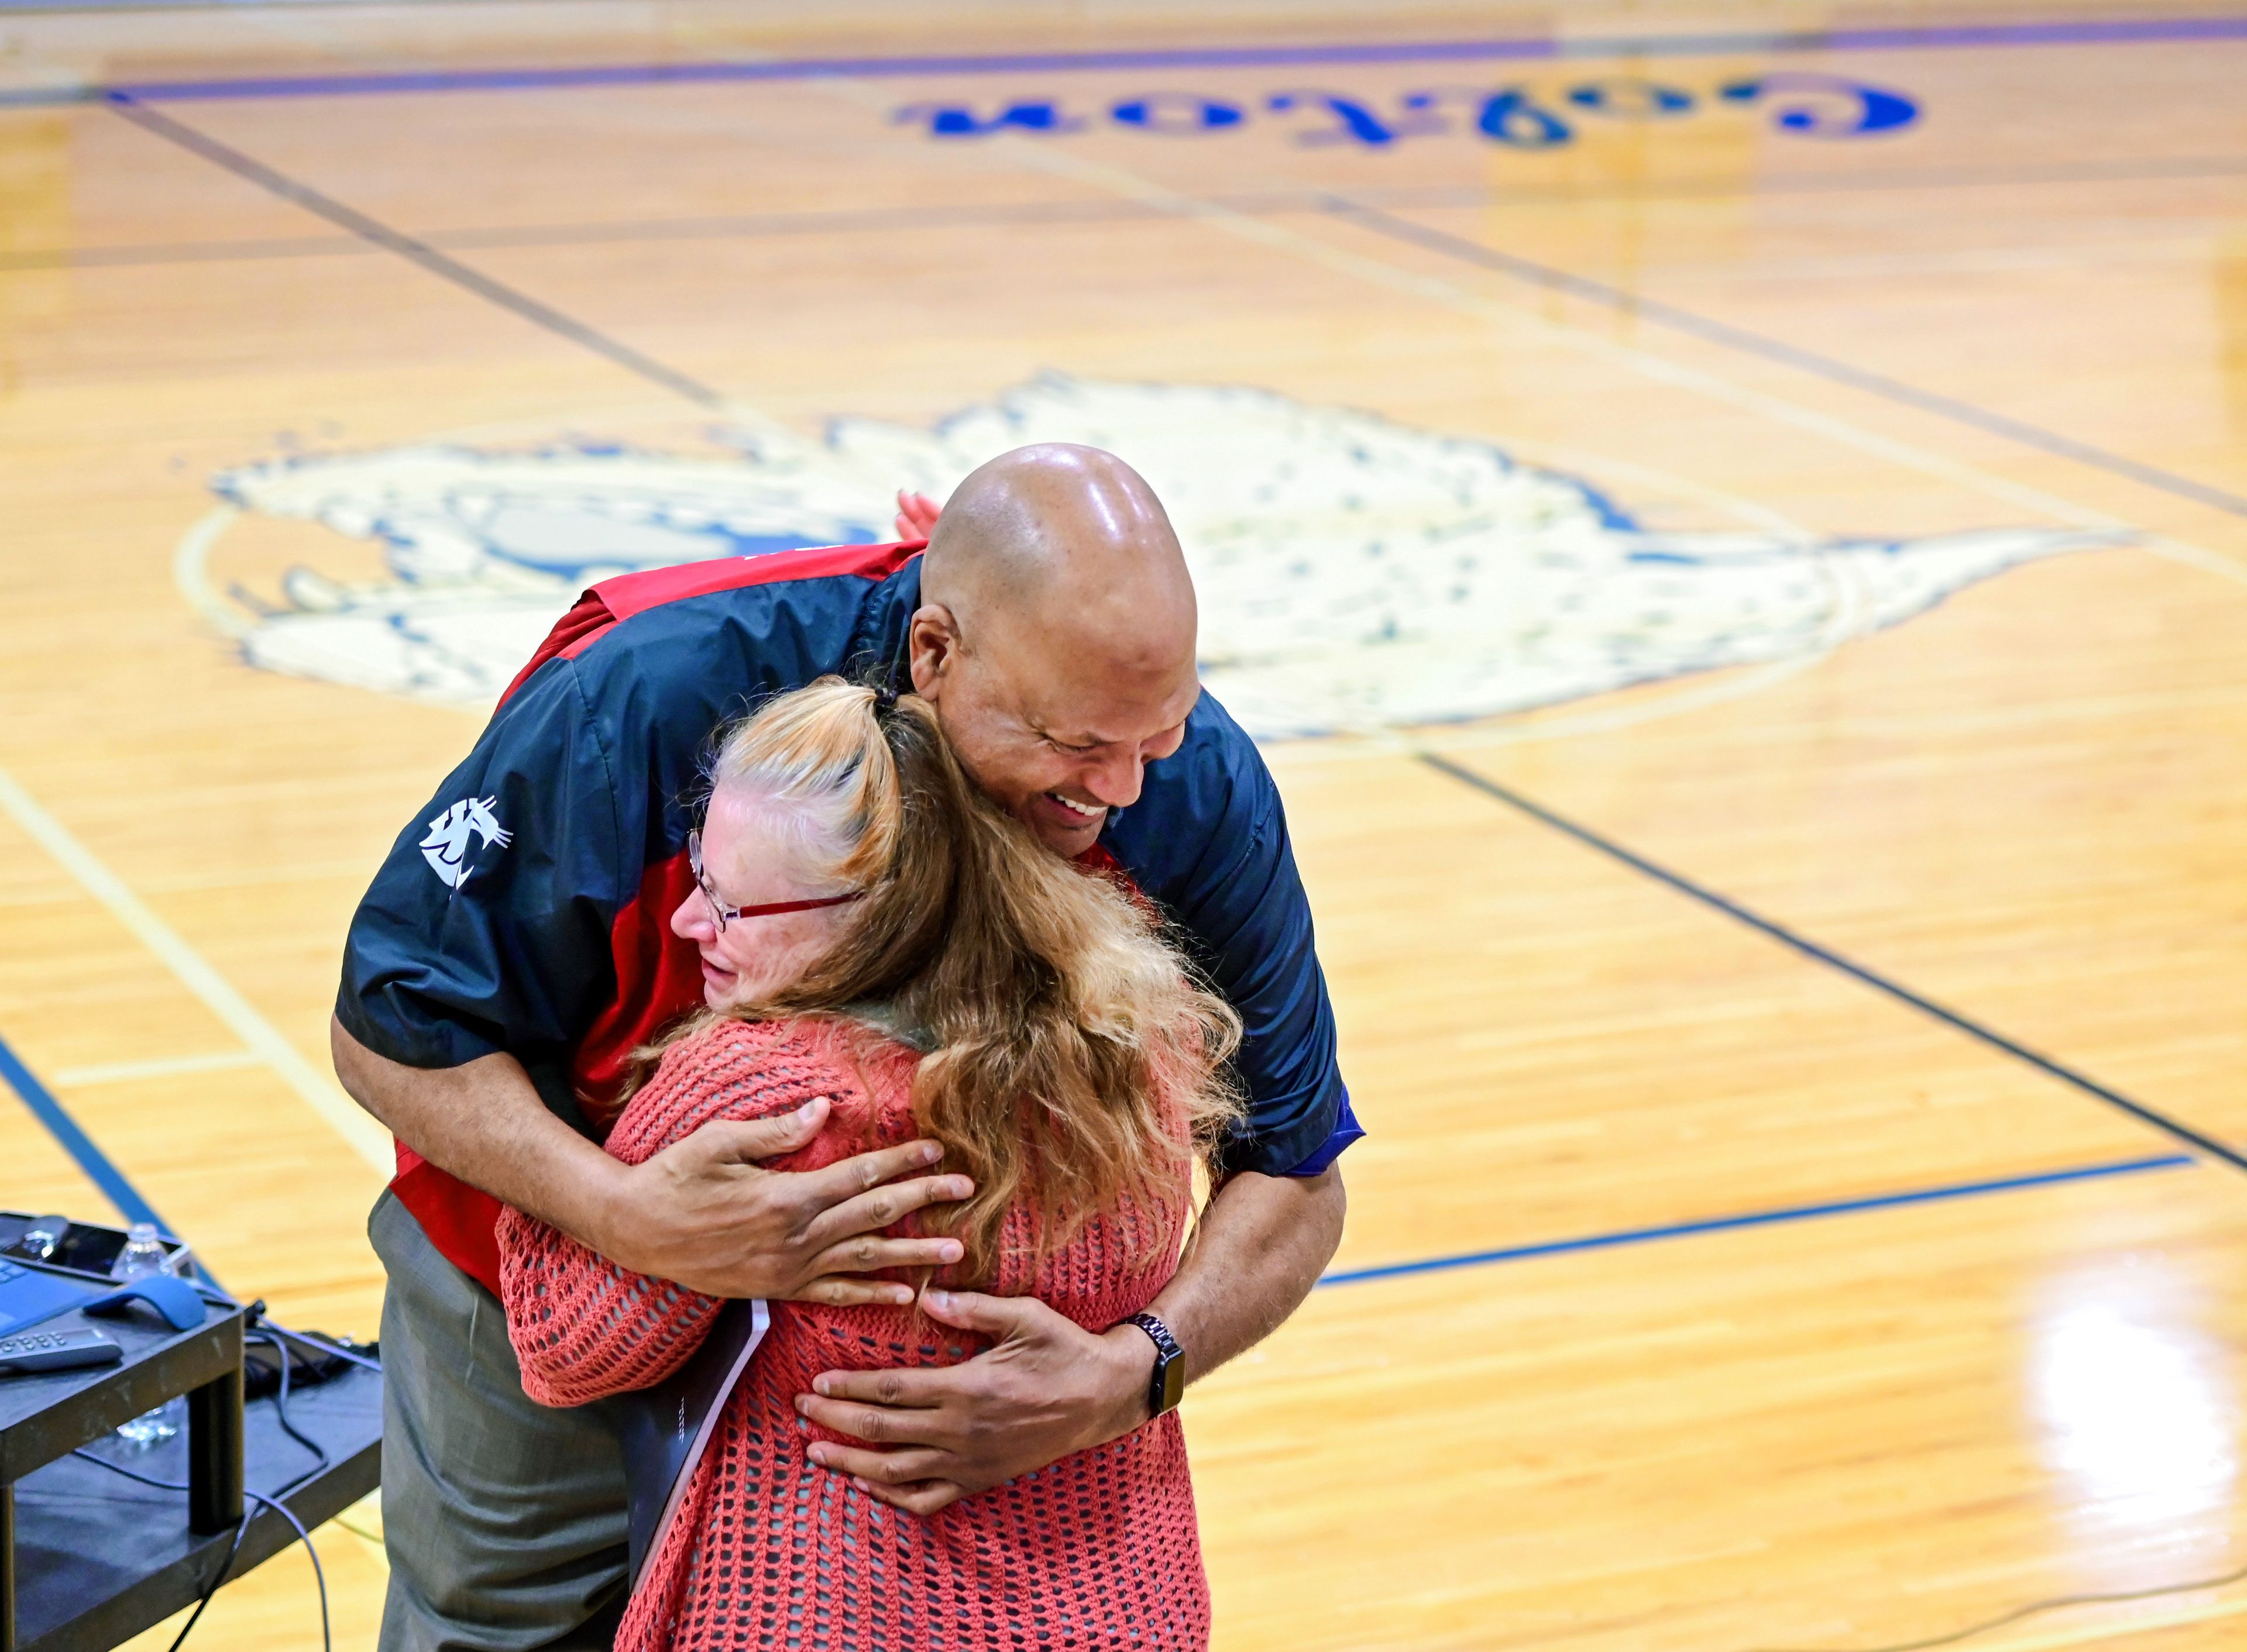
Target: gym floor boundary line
[
  {"x": 1374, "y": 219},
  {"x": 884, "y": 220},
  {"x": 1832, "y": 368},
  {"x": 1623, "y": 1237},
  {"x": 1520, "y": 49},
  {"x": 84, "y": 1151},
  {"x": 448, "y": 268},
  {"x": 104, "y": 1173},
  {"x": 1811, "y": 949},
  {"x": 554, "y": 321}
]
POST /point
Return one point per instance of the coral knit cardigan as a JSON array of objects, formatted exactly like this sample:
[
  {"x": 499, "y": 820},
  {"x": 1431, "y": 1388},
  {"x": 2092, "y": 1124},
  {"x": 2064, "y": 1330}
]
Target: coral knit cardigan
[{"x": 1098, "y": 1550}]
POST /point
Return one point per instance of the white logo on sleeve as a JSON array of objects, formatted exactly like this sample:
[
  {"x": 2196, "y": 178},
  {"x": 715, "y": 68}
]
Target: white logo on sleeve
[{"x": 446, "y": 847}]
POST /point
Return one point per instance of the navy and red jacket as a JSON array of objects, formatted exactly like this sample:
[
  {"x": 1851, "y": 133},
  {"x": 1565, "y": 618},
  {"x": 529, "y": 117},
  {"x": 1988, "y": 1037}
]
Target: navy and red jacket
[{"x": 529, "y": 909}]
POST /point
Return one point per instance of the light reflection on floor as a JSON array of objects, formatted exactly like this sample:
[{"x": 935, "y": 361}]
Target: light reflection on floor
[{"x": 2138, "y": 1402}]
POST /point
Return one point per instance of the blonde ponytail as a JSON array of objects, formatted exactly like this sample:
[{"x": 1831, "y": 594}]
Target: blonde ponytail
[{"x": 1076, "y": 1058}]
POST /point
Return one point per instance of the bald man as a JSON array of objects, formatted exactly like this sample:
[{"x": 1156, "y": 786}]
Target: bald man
[{"x": 515, "y": 949}]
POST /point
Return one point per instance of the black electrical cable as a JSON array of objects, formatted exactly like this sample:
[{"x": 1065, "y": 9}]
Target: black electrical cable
[
  {"x": 281, "y": 1408},
  {"x": 281, "y": 1399},
  {"x": 2034, "y": 1608},
  {"x": 272, "y": 1335},
  {"x": 212, "y": 1293},
  {"x": 319, "y": 1577},
  {"x": 326, "y": 1347},
  {"x": 241, "y": 1531}
]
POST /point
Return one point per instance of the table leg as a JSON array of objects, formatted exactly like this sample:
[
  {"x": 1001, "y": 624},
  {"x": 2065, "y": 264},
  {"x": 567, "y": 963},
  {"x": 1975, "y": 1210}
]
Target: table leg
[
  {"x": 7, "y": 1567},
  {"x": 214, "y": 1454}
]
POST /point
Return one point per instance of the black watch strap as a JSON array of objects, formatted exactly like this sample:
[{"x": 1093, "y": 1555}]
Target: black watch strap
[{"x": 1166, "y": 1383}]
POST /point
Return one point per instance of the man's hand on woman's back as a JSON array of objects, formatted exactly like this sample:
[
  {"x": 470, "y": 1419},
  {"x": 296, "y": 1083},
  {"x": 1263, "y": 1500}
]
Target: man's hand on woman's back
[
  {"x": 1046, "y": 1386},
  {"x": 704, "y": 1213},
  {"x": 916, "y": 515},
  {"x": 701, "y": 1212}
]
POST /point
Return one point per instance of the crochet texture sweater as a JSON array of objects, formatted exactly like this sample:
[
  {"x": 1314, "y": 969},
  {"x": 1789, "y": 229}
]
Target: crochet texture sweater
[{"x": 1098, "y": 1550}]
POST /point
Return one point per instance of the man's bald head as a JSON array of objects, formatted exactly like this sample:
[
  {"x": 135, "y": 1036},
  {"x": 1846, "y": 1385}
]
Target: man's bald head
[
  {"x": 1056, "y": 635},
  {"x": 1066, "y": 547}
]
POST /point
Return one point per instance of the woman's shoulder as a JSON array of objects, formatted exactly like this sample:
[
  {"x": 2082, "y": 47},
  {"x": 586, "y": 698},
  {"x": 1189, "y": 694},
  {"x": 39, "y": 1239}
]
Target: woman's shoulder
[
  {"x": 814, "y": 1048},
  {"x": 725, "y": 1045},
  {"x": 725, "y": 1069}
]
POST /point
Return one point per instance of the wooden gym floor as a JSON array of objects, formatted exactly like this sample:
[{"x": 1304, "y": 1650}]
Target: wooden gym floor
[{"x": 1636, "y": 988}]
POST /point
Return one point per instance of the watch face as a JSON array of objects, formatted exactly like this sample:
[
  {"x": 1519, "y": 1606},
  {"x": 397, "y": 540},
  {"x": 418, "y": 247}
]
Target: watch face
[
  {"x": 1173, "y": 1378},
  {"x": 1166, "y": 1382}
]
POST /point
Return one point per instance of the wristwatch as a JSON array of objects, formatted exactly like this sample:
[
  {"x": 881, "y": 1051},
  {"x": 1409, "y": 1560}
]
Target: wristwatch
[{"x": 1166, "y": 1383}]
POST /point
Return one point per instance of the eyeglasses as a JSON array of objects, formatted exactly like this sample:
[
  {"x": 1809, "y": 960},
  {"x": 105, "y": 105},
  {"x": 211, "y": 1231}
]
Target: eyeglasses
[{"x": 727, "y": 913}]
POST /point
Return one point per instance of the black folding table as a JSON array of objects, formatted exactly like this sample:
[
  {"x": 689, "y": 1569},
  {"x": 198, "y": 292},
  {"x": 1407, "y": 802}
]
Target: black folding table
[{"x": 89, "y": 1558}]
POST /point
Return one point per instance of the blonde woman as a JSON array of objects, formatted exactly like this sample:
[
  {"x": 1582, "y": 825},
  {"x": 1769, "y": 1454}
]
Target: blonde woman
[{"x": 876, "y": 933}]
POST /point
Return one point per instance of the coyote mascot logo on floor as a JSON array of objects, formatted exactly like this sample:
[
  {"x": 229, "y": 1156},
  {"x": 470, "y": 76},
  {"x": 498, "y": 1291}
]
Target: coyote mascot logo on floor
[{"x": 1355, "y": 573}]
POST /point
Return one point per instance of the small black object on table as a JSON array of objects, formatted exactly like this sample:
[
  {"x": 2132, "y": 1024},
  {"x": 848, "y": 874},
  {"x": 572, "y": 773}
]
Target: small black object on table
[{"x": 88, "y": 1557}]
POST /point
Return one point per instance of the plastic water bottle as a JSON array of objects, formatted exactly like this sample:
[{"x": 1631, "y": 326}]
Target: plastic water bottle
[{"x": 143, "y": 1255}]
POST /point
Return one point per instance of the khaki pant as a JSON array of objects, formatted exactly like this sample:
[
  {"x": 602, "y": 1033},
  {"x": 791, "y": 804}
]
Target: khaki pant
[{"x": 504, "y": 1520}]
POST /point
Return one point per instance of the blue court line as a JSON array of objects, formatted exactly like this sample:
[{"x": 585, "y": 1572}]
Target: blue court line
[
  {"x": 111, "y": 1181},
  {"x": 1826, "y": 955},
  {"x": 1830, "y": 367},
  {"x": 1757, "y": 1219},
  {"x": 1526, "y": 48},
  {"x": 75, "y": 1141}
]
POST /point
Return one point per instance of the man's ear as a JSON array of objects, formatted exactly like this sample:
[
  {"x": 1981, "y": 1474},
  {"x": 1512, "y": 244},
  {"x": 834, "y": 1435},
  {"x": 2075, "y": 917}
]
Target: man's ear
[{"x": 932, "y": 647}]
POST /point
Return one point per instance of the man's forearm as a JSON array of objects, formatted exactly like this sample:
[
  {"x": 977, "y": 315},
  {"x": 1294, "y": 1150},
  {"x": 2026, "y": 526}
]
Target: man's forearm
[
  {"x": 1261, "y": 1245},
  {"x": 1047, "y": 1386},
  {"x": 485, "y": 1123}
]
